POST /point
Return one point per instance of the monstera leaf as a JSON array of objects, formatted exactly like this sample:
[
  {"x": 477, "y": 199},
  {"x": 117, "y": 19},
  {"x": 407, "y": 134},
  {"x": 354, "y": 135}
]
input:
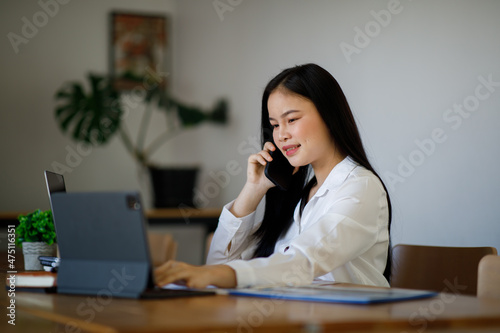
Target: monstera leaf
[
  {"x": 95, "y": 116},
  {"x": 92, "y": 117},
  {"x": 190, "y": 116}
]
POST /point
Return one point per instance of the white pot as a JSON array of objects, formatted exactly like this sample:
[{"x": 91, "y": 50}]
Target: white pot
[{"x": 31, "y": 252}]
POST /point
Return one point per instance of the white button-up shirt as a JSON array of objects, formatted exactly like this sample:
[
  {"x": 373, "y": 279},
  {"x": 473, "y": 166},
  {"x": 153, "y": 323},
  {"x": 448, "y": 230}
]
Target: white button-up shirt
[{"x": 342, "y": 235}]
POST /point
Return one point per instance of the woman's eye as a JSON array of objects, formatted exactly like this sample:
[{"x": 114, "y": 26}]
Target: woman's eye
[
  {"x": 274, "y": 126},
  {"x": 292, "y": 120}
]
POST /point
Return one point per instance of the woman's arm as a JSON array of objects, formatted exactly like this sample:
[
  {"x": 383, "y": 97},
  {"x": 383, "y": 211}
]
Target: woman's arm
[
  {"x": 350, "y": 229},
  {"x": 231, "y": 239},
  {"x": 239, "y": 219},
  {"x": 257, "y": 183}
]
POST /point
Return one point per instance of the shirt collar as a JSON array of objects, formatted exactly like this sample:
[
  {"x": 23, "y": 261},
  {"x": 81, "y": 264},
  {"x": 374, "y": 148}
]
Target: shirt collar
[{"x": 337, "y": 176}]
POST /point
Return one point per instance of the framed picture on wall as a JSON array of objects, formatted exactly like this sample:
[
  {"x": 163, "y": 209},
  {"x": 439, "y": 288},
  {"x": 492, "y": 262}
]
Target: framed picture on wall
[{"x": 139, "y": 50}]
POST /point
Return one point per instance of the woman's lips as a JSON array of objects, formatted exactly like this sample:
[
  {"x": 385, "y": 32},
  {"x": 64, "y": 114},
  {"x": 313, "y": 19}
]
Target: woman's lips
[{"x": 290, "y": 149}]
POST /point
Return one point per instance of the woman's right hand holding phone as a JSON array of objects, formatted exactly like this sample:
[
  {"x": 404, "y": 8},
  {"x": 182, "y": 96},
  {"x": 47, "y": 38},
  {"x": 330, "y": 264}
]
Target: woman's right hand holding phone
[
  {"x": 257, "y": 183},
  {"x": 256, "y": 166}
]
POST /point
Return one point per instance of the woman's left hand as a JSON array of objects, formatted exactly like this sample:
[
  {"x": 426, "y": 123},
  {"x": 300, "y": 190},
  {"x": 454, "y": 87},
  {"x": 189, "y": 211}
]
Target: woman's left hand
[{"x": 192, "y": 276}]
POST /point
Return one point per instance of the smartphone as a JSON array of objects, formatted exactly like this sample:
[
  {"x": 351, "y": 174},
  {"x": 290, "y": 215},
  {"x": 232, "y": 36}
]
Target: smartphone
[{"x": 279, "y": 170}]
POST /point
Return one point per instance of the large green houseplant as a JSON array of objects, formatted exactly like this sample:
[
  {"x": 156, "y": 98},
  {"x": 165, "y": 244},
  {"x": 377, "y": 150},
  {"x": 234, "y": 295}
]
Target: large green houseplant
[
  {"x": 36, "y": 235},
  {"x": 96, "y": 115}
]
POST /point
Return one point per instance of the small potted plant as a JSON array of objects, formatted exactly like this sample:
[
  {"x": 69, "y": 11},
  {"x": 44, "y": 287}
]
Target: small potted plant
[{"x": 36, "y": 235}]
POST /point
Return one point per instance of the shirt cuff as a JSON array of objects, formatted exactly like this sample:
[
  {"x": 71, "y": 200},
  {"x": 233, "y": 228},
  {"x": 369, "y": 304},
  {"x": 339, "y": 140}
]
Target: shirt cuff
[
  {"x": 233, "y": 223},
  {"x": 245, "y": 275}
]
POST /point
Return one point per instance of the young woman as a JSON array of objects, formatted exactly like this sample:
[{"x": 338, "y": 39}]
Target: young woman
[{"x": 333, "y": 222}]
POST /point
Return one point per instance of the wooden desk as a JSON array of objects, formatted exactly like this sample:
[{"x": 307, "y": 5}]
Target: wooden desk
[{"x": 64, "y": 313}]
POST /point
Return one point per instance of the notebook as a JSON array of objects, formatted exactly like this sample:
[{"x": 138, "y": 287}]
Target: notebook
[
  {"x": 335, "y": 294},
  {"x": 103, "y": 244}
]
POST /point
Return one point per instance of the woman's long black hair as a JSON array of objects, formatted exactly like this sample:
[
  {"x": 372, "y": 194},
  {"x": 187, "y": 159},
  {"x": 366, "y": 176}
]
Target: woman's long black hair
[{"x": 319, "y": 86}]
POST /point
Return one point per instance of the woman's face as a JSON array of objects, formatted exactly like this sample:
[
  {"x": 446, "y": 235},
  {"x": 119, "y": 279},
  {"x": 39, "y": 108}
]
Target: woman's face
[{"x": 298, "y": 129}]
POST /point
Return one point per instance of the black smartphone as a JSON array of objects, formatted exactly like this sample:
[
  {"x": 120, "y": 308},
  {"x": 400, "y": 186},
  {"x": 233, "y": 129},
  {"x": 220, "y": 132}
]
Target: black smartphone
[{"x": 279, "y": 170}]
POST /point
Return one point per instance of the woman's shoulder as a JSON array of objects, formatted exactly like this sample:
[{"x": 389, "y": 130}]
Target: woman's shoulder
[
  {"x": 363, "y": 175},
  {"x": 349, "y": 169},
  {"x": 348, "y": 173}
]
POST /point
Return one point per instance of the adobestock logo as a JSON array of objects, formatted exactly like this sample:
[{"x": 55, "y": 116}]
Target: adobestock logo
[
  {"x": 420, "y": 319},
  {"x": 373, "y": 28},
  {"x": 221, "y": 7},
  {"x": 454, "y": 117},
  {"x": 39, "y": 19}
]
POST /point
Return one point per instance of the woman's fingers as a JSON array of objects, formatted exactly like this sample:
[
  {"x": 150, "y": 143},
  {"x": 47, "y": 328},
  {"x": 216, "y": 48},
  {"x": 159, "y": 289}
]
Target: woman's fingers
[
  {"x": 264, "y": 155},
  {"x": 182, "y": 273},
  {"x": 269, "y": 146},
  {"x": 169, "y": 272},
  {"x": 195, "y": 276},
  {"x": 260, "y": 158}
]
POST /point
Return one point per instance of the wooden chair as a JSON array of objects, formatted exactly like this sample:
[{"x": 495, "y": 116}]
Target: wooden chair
[
  {"x": 162, "y": 247},
  {"x": 488, "y": 278},
  {"x": 437, "y": 268}
]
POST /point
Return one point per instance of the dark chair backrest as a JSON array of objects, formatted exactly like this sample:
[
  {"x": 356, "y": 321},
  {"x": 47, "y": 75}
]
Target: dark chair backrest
[{"x": 437, "y": 268}]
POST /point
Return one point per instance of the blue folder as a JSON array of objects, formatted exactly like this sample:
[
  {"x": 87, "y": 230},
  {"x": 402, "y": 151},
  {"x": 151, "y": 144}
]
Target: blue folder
[{"x": 335, "y": 294}]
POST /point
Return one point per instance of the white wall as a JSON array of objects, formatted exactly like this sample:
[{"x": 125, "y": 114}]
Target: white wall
[
  {"x": 401, "y": 84},
  {"x": 416, "y": 66}
]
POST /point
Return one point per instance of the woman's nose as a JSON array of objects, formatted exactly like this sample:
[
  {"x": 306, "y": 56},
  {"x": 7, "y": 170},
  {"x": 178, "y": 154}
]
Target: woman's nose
[{"x": 283, "y": 133}]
